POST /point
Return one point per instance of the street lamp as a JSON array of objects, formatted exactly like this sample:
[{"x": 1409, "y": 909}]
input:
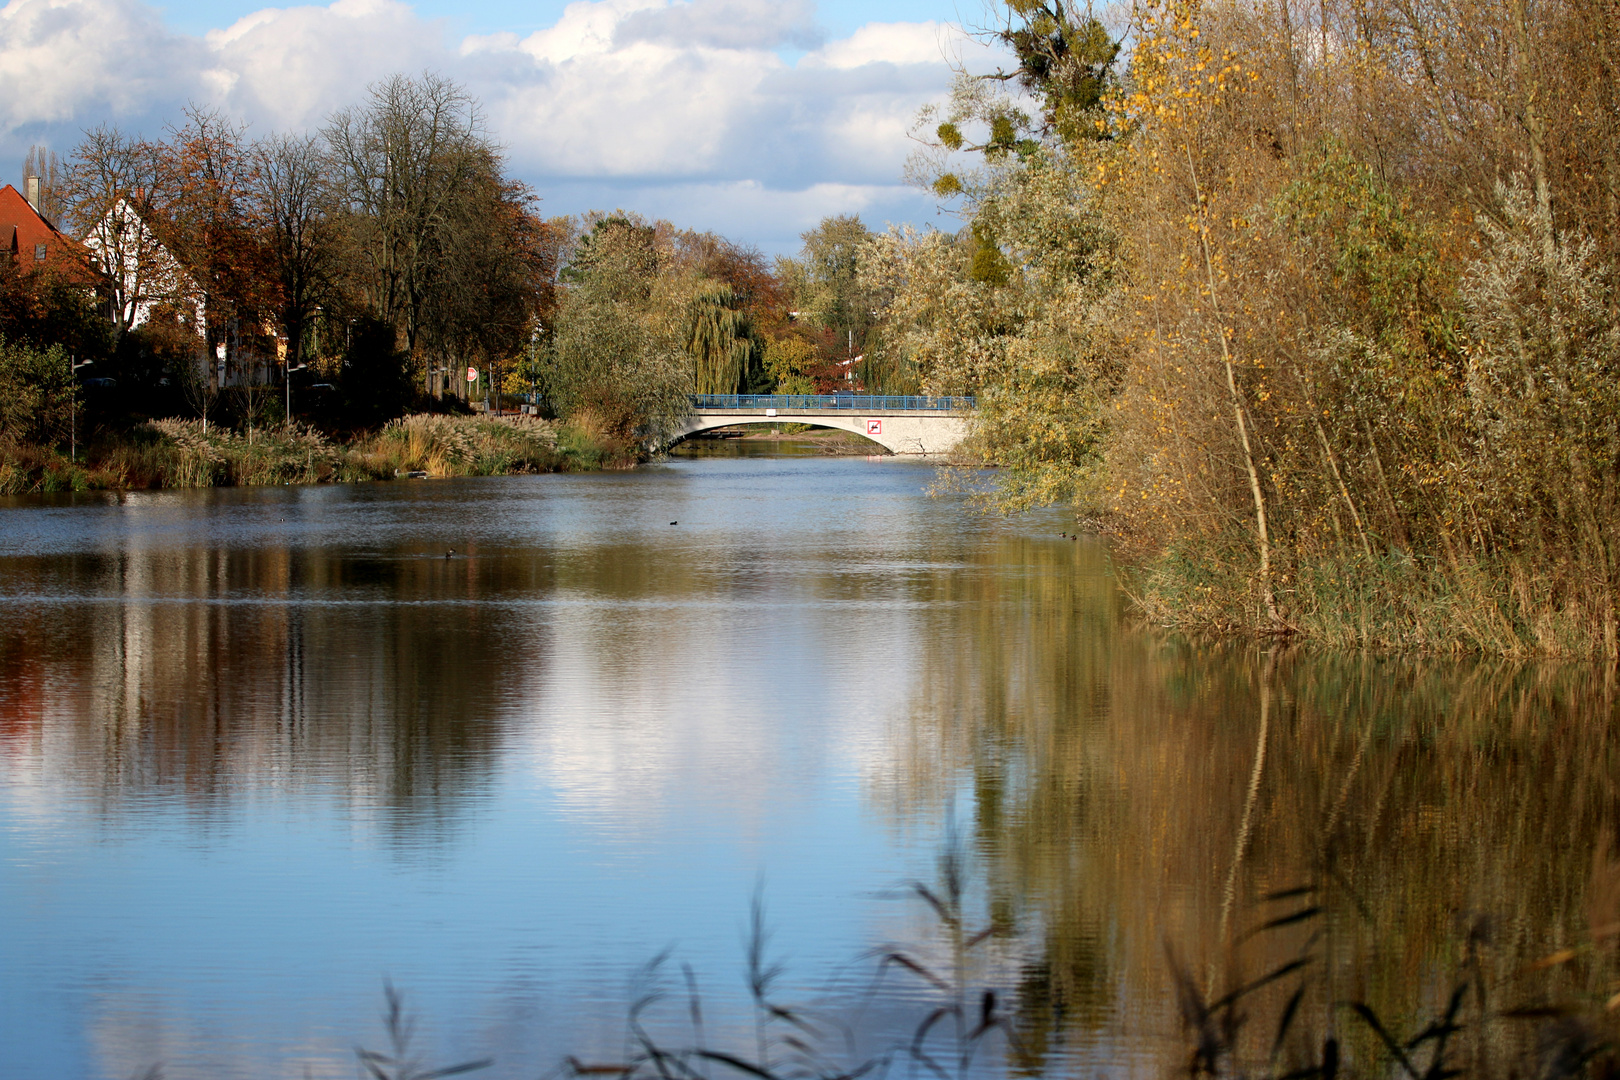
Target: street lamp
[
  {"x": 73, "y": 405},
  {"x": 290, "y": 370}
]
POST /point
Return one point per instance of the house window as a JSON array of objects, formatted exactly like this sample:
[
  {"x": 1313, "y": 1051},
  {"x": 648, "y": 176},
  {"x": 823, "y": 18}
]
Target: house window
[{"x": 39, "y": 252}]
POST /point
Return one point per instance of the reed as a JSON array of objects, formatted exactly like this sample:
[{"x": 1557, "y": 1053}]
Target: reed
[
  {"x": 185, "y": 454},
  {"x": 1517, "y": 604}
]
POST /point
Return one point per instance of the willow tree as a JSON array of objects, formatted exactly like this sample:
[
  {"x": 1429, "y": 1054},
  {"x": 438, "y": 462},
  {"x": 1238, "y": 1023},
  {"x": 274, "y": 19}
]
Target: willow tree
[{"x": 719, "y": 341}]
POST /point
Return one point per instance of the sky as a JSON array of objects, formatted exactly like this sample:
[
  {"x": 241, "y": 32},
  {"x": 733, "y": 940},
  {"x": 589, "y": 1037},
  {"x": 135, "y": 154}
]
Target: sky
[{"x": 750, "y": 118}]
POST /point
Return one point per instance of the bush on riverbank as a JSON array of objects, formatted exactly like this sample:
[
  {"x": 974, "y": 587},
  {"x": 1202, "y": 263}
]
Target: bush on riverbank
[{"x": 181, "y": 454}]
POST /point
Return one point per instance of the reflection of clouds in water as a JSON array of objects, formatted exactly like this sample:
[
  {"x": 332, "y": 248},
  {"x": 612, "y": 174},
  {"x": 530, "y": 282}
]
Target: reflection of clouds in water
[
  {"x": 667, "y": 706},
  {"x": 129, "y": 1032}
]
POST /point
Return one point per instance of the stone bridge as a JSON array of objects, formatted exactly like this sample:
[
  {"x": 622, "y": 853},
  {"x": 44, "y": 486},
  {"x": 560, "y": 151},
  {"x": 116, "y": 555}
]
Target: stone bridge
[{"x": 901, "y": 424}]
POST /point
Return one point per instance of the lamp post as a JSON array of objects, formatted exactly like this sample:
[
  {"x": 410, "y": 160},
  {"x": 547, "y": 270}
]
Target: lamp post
[
  {"x": 74, "y": 365},
  {"x": 290, "y": 370}
]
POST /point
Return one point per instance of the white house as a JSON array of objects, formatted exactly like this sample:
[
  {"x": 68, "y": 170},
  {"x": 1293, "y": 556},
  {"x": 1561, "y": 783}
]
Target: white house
[{"x": 142, "y": 271}]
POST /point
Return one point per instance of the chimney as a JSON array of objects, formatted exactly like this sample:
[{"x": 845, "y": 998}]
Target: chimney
[{"x": 33, "y": 192}]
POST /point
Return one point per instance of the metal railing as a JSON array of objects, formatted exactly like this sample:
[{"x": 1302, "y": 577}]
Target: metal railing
[{"x": 826, "y": 402}]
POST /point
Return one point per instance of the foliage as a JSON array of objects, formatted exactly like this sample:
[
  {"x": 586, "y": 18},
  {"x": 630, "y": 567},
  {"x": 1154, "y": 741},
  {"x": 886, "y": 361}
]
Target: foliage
[
  {"x": 1261, "y": 306},
  {"x": 376, "y": 372},
  {"x": 718, "y": 342},
  {"x": 652, "y": 313},
  {"x": 791, "y": 361},
  {"x": 36, "y": 393},
  {"x": 401, "y": 161},
  {"x": 185, "y": 454},
  {"x": 617, "y": 370},
  {"x": 43, "y": 308}
]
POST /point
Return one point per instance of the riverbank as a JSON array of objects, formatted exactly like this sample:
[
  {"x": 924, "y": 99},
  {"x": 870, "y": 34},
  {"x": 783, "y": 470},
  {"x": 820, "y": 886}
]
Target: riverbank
[
  {"x": 1519, "y": 605},
  {"x": 183, "y": 454}
]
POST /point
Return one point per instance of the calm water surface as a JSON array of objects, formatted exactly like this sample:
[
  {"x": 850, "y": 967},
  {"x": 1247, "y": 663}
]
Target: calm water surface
[{"x": 502, "y": 742}]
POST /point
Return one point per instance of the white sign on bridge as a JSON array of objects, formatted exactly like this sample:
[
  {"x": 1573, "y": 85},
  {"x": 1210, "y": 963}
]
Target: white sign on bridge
[{"x": 874, "y": 427}]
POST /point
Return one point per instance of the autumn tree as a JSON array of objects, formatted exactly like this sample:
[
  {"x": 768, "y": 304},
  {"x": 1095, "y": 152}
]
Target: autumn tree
[
  {"x": 618, "y": 363},
  {"x": 400, "y": 163},
  {"x": 495, "y": 278},
  {"x": 112, "y": 180},
  {"x": 292, "y": 208},
  {"x": 719, "y": 341},
  {"x": 825, "y": 284},
  {"x": 204, "y": 213}
]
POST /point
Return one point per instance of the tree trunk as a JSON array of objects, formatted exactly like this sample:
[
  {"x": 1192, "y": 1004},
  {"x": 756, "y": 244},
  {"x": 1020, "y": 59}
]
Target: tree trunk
[{"x": 1239, "y": 418}]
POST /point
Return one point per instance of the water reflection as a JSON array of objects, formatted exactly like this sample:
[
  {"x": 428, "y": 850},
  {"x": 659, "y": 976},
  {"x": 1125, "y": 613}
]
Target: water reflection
[
  {"x": 1131, "y": 793},
  {"x": 188, "y": 671},
  {"x": 603, "y": 729}
]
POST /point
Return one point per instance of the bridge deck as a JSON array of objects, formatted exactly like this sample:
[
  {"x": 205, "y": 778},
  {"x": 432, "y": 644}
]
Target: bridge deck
[{"x": 832, "y": 404}]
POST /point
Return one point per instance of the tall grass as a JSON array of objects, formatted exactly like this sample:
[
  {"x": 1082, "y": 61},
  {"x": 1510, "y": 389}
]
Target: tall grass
[
  {"x": 182, "y": 454},
  {"x": 1511, "y": 604},
  {"x": 461, "y": 446}
]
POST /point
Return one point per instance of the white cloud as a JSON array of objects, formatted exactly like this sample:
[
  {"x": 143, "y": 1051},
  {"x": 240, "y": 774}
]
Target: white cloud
[
  {"x": 724, "y": 24},
  {"x": 692, "y": 97},
  {"x": 929, "y": 43},
  {"x": 87, "y": 60},
  {"x": 290, "y": 67}
]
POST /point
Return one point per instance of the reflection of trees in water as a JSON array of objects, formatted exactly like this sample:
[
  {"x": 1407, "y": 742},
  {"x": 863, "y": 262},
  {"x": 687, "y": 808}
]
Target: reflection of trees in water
[
  {"x": 208, "y": 671},
  {"x": 1433, "y": 803}
]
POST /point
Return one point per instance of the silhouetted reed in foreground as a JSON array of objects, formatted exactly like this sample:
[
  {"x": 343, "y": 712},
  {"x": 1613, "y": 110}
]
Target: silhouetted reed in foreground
[
  {"x": 1285, "y": 1023},
  {"x": 1248, "y": 1031},
  {"x": 793, "y": 1042}
]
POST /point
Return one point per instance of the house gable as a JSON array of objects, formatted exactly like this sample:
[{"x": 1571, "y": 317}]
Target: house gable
[{"x": 35, "y": 243}]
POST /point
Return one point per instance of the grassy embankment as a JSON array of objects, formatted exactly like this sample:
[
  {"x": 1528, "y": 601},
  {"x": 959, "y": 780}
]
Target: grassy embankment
[{"x": 179, "y": 454}]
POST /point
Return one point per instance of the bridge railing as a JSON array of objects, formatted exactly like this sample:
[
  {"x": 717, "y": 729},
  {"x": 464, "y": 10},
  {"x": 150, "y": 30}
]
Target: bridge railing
[{"x": 839, "y": 402}]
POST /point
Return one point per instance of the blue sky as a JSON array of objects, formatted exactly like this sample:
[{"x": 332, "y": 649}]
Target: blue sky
[
  {"x": 839, "y": 18},
  {"x": 753, "y": 118}
]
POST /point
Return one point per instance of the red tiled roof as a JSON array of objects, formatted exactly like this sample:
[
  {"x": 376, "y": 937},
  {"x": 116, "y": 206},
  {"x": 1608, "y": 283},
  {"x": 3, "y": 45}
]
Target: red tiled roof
[{"x": 35, "y": 242}]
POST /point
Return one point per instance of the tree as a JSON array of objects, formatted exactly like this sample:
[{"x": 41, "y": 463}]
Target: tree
[
  {"x": 203, "y": 212},
  {"x": 41, "y": 308},
  {"x": 791, "y": 362},
  {"x": 618, "y": 258},
  {"x": 619, "y": 359},
  {"x": 292, "y": 207},
  {"x": 614, "y": 373},
  {"x": 719, "y": 341},
  {"x": 825, "y": 283},
  {"x": 112, "y": 180},
  {"x": 36, "y": 393},
  {"x": 496, "y": 274},
  {"x": 400, "y": 163},
  {"x": 42, "y": 163},
  {"x": 1065, "y": 59}
]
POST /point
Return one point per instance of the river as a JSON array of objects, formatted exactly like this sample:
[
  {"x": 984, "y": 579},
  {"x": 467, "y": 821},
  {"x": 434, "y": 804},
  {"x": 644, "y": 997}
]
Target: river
[{"x": 531, "y": 750}]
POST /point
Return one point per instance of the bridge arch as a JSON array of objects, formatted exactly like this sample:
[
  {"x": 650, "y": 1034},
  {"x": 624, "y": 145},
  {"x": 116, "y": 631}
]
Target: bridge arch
[
  {"x": 899, "y": 424},
  {"x": 698, "y": 425}
]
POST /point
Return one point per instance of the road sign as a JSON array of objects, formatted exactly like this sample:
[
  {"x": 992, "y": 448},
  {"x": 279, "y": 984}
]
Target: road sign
[
  {"x": 472, "y": 374},
  {"x": 874, "y": 427}
]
